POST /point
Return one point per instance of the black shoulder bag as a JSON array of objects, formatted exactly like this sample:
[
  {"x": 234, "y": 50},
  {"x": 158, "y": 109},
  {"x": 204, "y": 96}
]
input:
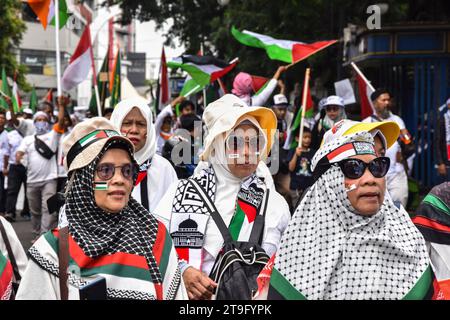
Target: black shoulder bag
[
  {"x": 43, "y": 149},
  {"x": 239, "y": 263}
]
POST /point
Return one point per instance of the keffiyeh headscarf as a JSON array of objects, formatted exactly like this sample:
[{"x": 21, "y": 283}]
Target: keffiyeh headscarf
[
  {"x": 329, "y": 251},
  {"x": 97, "y": 232}
]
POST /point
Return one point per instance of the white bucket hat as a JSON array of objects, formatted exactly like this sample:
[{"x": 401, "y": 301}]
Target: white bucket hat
[{"x": 222, "y": 115}]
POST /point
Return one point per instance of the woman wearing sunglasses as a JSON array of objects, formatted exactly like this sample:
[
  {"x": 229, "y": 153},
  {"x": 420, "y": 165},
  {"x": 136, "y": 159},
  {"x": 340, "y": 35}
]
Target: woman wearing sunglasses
[
  {"x": 108, "y": 233},
  {"x": 239, "y": 138},
  {"x": 347, "y": 240}
]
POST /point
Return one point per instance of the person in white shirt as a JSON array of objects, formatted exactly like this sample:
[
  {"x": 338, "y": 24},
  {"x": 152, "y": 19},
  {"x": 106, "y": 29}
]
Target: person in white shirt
[
  {"x": 42, "y": 172},
  {"x": 133, "y": 118},
  {"x": 396, "y": 178},
  {"x": 3, "y": 150},
  {"x": 17, "y": 175}
]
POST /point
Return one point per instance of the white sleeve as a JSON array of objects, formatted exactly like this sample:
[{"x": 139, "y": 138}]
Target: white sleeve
[
  {"x": 400, "y": 122},
  {"x": 277, "y": 220},
  {"x": 261, "y": 98},
  {"x": 167, "y": 111},
  {"x": 23, "y": 146},
  {"x": 163, "y": 211},
  {"x": 16, "y": 247},
  {"x": 37, "y": 284}
]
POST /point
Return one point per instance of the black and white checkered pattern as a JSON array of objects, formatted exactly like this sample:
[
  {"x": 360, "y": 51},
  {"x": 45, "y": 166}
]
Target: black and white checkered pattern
[{"x": 329, "y": 251}]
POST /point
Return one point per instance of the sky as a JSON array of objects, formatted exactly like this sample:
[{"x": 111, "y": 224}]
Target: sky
[{"x": 150, "y": 41}]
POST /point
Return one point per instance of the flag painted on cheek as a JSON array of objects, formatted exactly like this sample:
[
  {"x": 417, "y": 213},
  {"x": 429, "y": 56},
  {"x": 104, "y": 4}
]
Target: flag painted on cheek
[{"x": 100, "y": 185}]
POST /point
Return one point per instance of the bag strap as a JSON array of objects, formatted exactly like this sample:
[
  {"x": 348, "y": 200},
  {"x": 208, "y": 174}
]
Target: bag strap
[
  {"x": 10, "y": 252},
  {"x": 258, "y": 225},
  {"x": 144, "y": 193},
  {"x": 213, "y": 211},
  {"x": 63, "y": 257}
]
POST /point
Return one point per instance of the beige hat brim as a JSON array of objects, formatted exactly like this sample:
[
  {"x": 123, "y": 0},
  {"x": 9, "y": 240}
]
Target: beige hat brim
[
  {"x": 389, "y": 129},
  {"x": 91, "y": 152}
]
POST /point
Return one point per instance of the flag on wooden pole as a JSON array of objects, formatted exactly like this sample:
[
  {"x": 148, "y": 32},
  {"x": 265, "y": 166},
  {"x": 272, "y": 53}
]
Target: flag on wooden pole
[{"x": 365, "y": 89}]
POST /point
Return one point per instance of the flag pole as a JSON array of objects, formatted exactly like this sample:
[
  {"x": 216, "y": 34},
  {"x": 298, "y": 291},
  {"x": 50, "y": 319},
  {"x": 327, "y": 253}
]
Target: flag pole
[
  {"x": 305, "y": 95},
  {"x": 293, "y": 63},
  {"x": 192, "y": 91},
  {"x": 97, "y": 96},
  {"x": 362, "y": 75},
  {"x": 58, "y": 57},
  {"x": 204, "y": 89}
]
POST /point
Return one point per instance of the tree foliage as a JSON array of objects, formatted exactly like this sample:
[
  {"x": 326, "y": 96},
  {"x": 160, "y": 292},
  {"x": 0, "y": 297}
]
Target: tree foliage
[
  {"x": 196, "y": 21},
  {"x": 12, "y": 29}
]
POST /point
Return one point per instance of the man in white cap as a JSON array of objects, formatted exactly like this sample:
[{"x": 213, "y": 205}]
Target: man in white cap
[{"x": 442, "y": 142}]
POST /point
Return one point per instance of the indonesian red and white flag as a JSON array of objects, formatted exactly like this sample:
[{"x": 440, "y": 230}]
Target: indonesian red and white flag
[
  {"x": 364, "y": 93},
  {"x": 80, "y": 62}
]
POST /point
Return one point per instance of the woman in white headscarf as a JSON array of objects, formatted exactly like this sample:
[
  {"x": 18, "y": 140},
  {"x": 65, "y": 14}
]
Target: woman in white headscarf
[
  {"x": 239, "y": 137},
  {"x": 134, "y": 119},
  {"x": 347, "y": 240}
]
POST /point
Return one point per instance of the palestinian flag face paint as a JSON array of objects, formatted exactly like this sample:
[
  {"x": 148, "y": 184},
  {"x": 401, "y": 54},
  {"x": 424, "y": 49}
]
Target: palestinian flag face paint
[{"x": 100, "y": 185}]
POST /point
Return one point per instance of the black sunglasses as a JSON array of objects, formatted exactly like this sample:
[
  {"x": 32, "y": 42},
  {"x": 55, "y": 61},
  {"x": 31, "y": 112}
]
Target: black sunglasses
[
  {"x": 355, "y": 168},
  {"x": 106, "y": 171}
]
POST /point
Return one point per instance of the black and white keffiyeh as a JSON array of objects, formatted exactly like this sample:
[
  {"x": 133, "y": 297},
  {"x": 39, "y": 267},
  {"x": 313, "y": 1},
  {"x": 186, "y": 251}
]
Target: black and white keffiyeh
[
  {"x": 97, "y": 232},
  {"x": 329, "y": 251}
]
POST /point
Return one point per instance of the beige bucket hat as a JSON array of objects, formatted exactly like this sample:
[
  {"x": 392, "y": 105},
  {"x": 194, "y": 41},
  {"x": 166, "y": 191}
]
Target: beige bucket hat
[
  {"x": 223, "y": 114},
  {"x": 86, "y": 140}
]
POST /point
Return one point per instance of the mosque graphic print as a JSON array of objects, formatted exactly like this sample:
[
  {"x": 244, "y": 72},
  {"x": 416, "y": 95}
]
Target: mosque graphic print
[{"x": 187, "y": 235}]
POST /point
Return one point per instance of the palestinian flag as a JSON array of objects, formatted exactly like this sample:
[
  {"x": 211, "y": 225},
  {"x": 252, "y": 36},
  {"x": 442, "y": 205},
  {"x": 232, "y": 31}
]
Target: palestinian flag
[
  {"x": 190, "y": 86},
  {"x": 114, "y": 82},
  {"x": 33, "y": 100},
  {"x": 203, "y": 69},
  {"x": 432, "y": 217},
  {"x": 80, "y": 63},
  {"x": 162, "y": 250},
  {"x": 6, "y": 276},
  {"x": 5, "y": 89},
  {"x": 281, "y": 289},
  {"x": 17, "y": 102},
  {"x": 242, "y": 222},
  {"x": 95, "y": 135},
  {"x": 258, "y": 83},
  {"x": 309, "y": 113},
  {"x": 45, "y": 11},
  {"x": 103, "y": 87},
  {"x": 426, "y": 288},
  {"x": 277, "y": 49}
]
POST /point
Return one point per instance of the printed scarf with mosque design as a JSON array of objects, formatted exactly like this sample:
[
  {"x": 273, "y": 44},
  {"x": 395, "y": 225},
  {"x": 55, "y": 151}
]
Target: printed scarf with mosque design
[{"x": 190, "y": 214}]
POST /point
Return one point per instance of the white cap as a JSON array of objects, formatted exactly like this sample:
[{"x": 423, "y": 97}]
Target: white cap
[
  {"x": 280, "y": 100},
  {"x": 28, "y": 111},
  {"x": 322, "y": 103},
  {"x": 8, "y": 115},
  {"x": 335, "y": 101}
]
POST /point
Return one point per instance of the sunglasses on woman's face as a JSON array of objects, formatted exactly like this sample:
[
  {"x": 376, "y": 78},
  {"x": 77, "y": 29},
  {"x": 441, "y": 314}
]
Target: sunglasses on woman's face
[
  {"x": 355, "y": 168},
  {"x": 237, "y": 143},
  {"x": 106, "y": 171}
]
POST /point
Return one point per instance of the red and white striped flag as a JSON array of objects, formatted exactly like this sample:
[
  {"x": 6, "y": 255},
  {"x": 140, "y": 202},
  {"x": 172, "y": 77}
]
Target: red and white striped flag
[
  {"x": 365, "y": 90},
  {"x": 80, "y": 62}
]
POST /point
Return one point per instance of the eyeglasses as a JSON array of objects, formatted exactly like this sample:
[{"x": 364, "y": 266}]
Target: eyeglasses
[
  {"x": 355, "y": 168},
  {"x": 106, "y": 171},
  {"x": 237, "y": 143}
]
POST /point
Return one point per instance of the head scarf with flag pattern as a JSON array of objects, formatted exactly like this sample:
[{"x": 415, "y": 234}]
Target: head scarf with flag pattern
[
  {"x": 329, "y": 251},
  {"x": 131, "y": 232}
]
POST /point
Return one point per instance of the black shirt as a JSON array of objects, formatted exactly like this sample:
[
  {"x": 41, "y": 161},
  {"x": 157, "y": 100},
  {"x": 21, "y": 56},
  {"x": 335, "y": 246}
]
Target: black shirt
[{"x": 301, "y": 177}]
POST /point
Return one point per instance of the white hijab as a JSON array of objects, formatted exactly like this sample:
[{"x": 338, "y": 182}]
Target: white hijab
[
  {"x": 120, "y": 112},
  {"x": 227, "y": 185}
]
